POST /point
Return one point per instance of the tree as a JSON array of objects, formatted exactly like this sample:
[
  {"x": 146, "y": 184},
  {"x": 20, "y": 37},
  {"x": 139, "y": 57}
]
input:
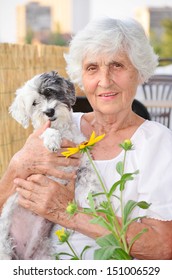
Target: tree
[
  {"x": 29, "y": 36},
  {"x": 163, "y": 45}
]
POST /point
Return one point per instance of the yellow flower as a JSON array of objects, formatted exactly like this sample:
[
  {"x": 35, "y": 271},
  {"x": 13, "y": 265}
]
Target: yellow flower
[
  {"x": 62, "y": 235},
  {"x": 127, "y": 145},
  {"x": 84, "y": 145},
  {"x": 71, "y": 208}
]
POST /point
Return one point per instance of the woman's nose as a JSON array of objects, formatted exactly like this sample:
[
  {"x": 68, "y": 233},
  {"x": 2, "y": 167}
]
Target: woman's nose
[{"x": 105, "y": 79}]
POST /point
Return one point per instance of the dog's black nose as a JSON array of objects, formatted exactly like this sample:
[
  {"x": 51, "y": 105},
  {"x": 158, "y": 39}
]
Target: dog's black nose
[{"x": 49, "y": 112}]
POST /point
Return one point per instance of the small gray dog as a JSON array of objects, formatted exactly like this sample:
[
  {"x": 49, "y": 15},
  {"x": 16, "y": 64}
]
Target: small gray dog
[{"x": 48, "y": 96}]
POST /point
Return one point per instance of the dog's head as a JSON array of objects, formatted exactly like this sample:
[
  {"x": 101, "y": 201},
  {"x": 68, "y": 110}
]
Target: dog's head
[{"x": 41, "y": 98}]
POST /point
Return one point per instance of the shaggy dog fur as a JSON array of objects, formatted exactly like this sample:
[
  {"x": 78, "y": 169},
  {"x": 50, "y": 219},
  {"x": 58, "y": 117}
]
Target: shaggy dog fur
[{"x": 24, "y": 235}]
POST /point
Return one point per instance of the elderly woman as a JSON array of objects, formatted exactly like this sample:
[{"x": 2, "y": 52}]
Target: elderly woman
[{"x": 108, "y": 60}]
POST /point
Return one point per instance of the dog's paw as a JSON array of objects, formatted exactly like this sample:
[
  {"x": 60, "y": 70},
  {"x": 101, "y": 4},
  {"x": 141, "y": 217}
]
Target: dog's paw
[{"x": 51, "y": 139}]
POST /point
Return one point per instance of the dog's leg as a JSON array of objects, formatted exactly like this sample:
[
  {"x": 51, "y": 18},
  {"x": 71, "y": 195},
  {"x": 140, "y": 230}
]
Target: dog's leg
[
  {"x": 23, "y": 235},
  {"x": 38, "y": 246},
  {"x": 6, "y": 247},
  {"x": 29, "y": 234},
  {"x": 51, "y": 139}
]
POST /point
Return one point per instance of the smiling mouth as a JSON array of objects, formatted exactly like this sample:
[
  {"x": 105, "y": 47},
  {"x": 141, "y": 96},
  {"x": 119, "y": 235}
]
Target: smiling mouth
[{"x": 107, "y": 94}]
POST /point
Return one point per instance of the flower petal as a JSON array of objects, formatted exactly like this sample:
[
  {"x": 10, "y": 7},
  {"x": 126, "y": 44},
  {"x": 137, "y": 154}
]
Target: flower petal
[
  {"x": 99, "y": 138},
  {"x": 59, "y": 233},
  {"x": 84, "y": 145},
  {"x": 70, "y": 151},
  {"x": 92, "y": 137}
]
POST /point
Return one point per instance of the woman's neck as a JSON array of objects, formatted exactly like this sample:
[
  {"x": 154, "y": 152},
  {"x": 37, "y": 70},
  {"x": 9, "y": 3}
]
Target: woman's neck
[
  {"x": 116, "y": 129},
  {"x": 109, "y": 123}
]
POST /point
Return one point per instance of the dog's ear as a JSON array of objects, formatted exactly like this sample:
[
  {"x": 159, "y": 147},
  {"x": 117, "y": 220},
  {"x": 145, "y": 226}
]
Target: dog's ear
[
  {"x": 71, "y": 92},
  {"x": 18, "y": 109}
]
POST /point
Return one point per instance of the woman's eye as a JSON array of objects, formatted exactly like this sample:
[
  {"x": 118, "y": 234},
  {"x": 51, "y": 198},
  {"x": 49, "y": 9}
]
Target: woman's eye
[
  {"x": 91, "y": 68},
  {"x": 116, "y": 65}
]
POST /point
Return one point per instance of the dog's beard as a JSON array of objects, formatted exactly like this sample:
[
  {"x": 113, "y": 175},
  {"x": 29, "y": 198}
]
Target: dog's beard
[
  {"x": 61, "y": 116},
  {"x": 38, "y": 119}
]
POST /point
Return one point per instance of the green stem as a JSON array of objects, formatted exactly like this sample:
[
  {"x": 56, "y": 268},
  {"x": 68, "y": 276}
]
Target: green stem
[
  {"x": 97, "y": 173},
  {"x": 72, "y": 250},
  {"x": 123, "y": 237},
  {"x": 121, "y": 200},
  {"x": 117, "y": 225}
]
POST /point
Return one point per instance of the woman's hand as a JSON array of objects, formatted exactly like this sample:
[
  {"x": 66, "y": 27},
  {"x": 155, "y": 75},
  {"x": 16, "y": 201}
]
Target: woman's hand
[
  {"x": 34, "y": 158},
  {"x": 46, "y": 198},
  {"x": 49, "y": 199}
]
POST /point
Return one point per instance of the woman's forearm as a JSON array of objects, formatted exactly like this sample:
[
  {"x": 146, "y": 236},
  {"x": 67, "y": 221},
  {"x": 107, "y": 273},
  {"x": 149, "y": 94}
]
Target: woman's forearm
[
  {"x": 82, "y": 224},
  {"x": 156, "y": 243},
  {"x": 48, "y": 198}
]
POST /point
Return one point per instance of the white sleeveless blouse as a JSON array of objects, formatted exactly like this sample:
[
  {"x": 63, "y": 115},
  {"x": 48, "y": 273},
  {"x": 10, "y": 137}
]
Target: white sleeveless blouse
[{"x": 152, "y": 156}]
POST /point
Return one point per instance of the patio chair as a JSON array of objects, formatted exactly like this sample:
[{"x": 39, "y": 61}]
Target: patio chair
[
  {"x": 82, "y": 105},
  {"x": 158, "y": 98}
]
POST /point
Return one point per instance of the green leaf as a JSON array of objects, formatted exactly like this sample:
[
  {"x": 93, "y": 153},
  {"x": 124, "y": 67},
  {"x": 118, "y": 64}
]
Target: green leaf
[
  {"x": 104, "y": 253},
  {"x": 57, "y": 256},
  {"x": 107, "y": 240},
  {"x": 87, "y": 211},
  {"x": 106, "y": 212},
  {"x": 110, "y": 218},
  {"x": 129, "y": 222},
  {"x": 74, "y": 258},
  {"x": 127, "y": 177},
  {"x": 137, "y": 236},
  {"x": 116, "y": 196},
  {"x": 120, "y": 167},
  {"x": 111, "y": 253},
  {"x": 83, "y": 251},
  {"x": 102, "y": 222},
  {"x": 104, "y": 204},
  {"x": 113, "y": 188},
  {"x": 97, "y": 194},
  {"x": 120, "y": 254},
  {"x": 143, "y": 204},
  {"x": 122, "y": 185},
  {"x": 130, "y": 205}
]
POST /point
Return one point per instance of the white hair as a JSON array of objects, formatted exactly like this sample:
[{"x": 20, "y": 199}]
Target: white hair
[{"x": 110, "y": 36}]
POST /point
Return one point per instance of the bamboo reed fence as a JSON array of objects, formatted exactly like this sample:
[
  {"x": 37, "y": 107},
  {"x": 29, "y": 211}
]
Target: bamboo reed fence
[{"x": 18, "y": 63}]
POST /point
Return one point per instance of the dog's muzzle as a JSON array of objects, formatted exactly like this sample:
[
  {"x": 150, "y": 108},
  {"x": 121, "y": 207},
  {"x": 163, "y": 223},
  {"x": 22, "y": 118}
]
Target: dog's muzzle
[{"x": 50, "y": 113}]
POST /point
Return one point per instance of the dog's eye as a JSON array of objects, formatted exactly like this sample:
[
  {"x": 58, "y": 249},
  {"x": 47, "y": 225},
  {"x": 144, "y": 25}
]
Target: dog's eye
[
  {"x": 48, "y": 92},
  {"x": 34, "y": 103}
]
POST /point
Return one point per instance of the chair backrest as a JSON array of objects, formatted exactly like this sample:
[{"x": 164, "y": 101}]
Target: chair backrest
[
  {"x": 82, "y": 105},
  {"x": 159, "y": 87},
  {"x": 157, "y": 90}
]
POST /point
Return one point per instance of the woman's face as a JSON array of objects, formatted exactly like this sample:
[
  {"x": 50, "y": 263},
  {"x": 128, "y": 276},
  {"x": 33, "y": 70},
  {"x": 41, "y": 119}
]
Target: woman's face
[{"x": 110, "y": 83}]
